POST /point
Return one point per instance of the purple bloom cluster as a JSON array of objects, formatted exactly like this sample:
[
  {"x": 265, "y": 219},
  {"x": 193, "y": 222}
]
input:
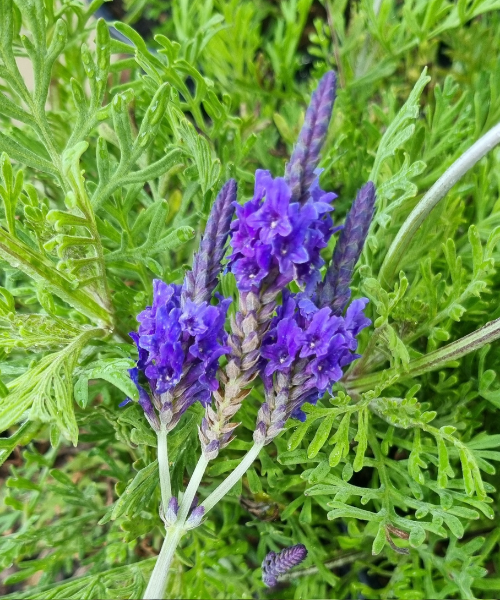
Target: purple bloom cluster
[
  {"x": 169, "y": 334},
  {"x": 181, "y": 336},
  {"x": 305, "y": 352},
  {"x": 326, "y": 341},
  {"x": 175, "y": 340},
  {"x": 275, "y": 237},
  {"x": 275, "y": 565}
]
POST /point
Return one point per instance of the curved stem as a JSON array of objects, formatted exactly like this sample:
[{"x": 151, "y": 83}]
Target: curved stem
[
  {"x": 434, "y": 360},
  {"x": 230, "y": 481},
  {"x": 194, "y": 483},
  {"x": 431, "y": 198},
  {"x": 163, "y": 468},
  {"x": 158, "y": 581}
]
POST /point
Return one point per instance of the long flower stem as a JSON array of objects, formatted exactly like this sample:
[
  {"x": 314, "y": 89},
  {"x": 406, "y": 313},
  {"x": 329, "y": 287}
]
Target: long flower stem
[
  {"x": 192, "y": 487},
  {"x": 159, "y": 577},
  {"x": 163, "y": 468},
  {"x": 228, "y": 484},
  {"x": 158, "y": 581},
  {"x": 434, "y": 360},
  {"x": 431, "y": 198}
]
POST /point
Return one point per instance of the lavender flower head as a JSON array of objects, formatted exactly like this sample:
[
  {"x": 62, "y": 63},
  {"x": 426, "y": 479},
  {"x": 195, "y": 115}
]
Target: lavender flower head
[
  {"x": 305, "y": 352},
  {"x": 181, "y": 336},
  {"x": 276, "y": 240},
  {"x": 299, "y": 348},
  {"x": 275, "y": 565}
]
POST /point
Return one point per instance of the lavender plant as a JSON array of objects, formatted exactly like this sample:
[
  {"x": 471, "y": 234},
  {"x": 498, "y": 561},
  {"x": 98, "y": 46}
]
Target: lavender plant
[
  {"x": 298, "y": 348},
  {"x": 297, "y": 388}
]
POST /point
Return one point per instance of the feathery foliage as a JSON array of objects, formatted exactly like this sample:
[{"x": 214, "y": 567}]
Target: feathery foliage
[{"x": 114, "y": 145}]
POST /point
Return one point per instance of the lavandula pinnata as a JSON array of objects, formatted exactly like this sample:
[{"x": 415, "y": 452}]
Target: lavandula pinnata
[
  {"x": 299, "y": 348},
  {"x": 277, "y": 237}
]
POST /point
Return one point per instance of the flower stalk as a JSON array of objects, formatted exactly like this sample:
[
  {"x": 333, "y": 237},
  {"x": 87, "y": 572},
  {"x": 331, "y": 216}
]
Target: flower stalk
[
  {"x": 158, "y": 581},
  {"x": 433, "y": 360},
  {"x": 231, "y": 480},
  {"x": 442, "y": 186},
  {"x": 163, "y": 469}
]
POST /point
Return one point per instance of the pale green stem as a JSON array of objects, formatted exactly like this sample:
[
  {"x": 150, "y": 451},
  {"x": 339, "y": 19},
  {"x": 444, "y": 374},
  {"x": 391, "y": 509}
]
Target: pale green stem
[
  {"x": 434, "y": 360},
  {"x": 331, "y": 564},
  {"x": 158, "y": 581},
  {"x": 430, "y": 200},
  {"x": 163, "y": 468},
  {"x": 159, "y": 577},
  {"x": 228, "y": 484},
  {"x": 192, "y": 488}
]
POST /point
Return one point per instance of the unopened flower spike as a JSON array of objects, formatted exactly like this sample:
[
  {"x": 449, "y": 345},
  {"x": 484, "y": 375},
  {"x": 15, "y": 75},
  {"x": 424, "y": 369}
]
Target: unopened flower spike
[
  {"x": 275, "y": 565},
  {"x": 335, "y": 291},
  {"x": 201, "y": 281},
  {"x": 300, "y": 171}
]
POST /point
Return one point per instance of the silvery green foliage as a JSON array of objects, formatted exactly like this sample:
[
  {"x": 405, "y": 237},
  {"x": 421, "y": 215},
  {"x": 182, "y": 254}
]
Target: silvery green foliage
[{"x": 109, "y": 165}]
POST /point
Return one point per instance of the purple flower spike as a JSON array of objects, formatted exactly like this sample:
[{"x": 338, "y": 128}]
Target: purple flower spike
[
  {"x": 200, "y": 283},
  {"x": 335, "y": 292},
  {"x": 304, "y": 354},
  {"x": 179, "y": 352},
  {"x": 272, "y": 218},
  {"x": 275, "y": 565},
  {"x": 305, "y": 157}
]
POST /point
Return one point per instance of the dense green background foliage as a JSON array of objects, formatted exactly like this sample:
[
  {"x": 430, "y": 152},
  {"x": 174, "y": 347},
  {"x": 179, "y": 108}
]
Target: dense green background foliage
[{"x": 110, "y": 163}]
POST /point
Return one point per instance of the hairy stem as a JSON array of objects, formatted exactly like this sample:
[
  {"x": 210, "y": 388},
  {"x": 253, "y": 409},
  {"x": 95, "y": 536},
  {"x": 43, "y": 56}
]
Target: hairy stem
[
  {"x": 434, "y": 360},
  {"x": 159, "y": 577},
  {"x": 230, "y": 481},
  {"x": 163, "y": 468},
  {"x": 158, "y": 582},
  {"x": 192, "y": 488},
  {"x": 431, "y": 198},
  {"x": 331, "y": 564}
]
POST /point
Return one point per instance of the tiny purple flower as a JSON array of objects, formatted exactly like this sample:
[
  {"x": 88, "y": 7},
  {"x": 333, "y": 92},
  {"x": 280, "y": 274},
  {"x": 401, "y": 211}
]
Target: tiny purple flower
[
  {"x": 355, "y": 319},
  {"x": 250, "y": 271},
  {"x": 193, "y": 318},
  {"x": 319, "y": 332},
  {"x": 272, "y": 218},
  {"x": 326, "y": 368},
  {"x": 282, "y": 353}
]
